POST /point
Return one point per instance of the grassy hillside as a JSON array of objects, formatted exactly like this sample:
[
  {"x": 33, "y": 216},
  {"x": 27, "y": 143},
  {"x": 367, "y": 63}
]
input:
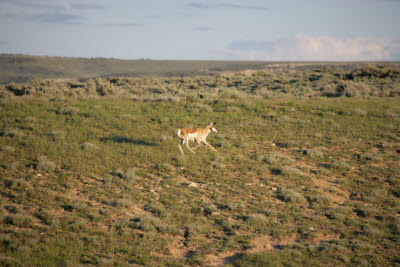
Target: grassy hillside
[
  {"x": 370, "y": 80},
  {"x": 307, "y": 171}
]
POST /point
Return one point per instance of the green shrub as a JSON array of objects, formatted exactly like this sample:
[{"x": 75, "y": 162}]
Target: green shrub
[
  {"x": 47, "y": 217},
  {"x": 9, "y": 261},
  {"x": 69, "y": 110},
  {"x": 350, "y": 89},
  {"x": 13, "y": 165},
  {"x": 13, "y": 133},
  {"x": 157, "y": 209},
  {"x": 358, "y": 112},
  {"x": 339, "y": 165},
  {"x": 291, "y": 172},
  {"x": 123, "y": 202},
  {"x": 8, "y": 149},
  {"x": 165, "y": 138},
  {"x": 104, "y": 88},
  {"x": 385, "y": 146},
  {"x": 43, "y": 164},
  {"x": 288, "y": 144},
  {"x": 340, "y": 213},
  {"x": 77, "y": 225},
  {"x": 372, "y": 231},
  {"x": 219, "y": 162},
  {"x": 130, "y": 174},
  {"x": 390, "y": 114},
  {"x": 276, "y": 158},
  {"x": 257, "y": 219},
  {"x": 314, "y": 153},
  {"x": 170, "y": 229},
  {"x": 375, "y": 71},
  {"x": 18, "y": 219},
  {"x": 369, "y": 157},
  {"x": 147, "y": 223},
  {"x": 88, "y": 146},
  {"x": 292, "y": 196},
  {"x": 375, "y": 195},
  {"x": 319, "y": 200},
  {"x": 195, "y": 229}
]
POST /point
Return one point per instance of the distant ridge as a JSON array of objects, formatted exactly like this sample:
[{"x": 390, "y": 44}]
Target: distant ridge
[{"x": 24, "y": 68}]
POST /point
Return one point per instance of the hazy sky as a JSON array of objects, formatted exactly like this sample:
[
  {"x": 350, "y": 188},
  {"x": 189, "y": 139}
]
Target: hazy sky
[{"x": 203, "y": 29}]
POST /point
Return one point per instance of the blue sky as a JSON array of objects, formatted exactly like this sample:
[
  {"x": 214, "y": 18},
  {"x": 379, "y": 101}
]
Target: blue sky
[{"x": 294, "y": 30}]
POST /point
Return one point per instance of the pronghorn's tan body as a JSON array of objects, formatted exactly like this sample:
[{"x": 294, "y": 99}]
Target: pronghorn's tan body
[{"x": 198, "y": 135}]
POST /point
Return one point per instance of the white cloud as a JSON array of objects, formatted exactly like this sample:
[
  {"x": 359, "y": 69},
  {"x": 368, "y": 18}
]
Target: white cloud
[
  {"x": 51, "y": 4},
  {"x": 310, "y": 48}
]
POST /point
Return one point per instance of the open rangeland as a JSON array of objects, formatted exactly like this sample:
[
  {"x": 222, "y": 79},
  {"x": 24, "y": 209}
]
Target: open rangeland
[{"x": 307, "y": 170}]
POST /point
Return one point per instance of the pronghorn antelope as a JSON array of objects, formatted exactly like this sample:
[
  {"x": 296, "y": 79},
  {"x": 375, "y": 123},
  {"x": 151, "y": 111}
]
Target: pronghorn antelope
[{"x": 199, "y": 135}]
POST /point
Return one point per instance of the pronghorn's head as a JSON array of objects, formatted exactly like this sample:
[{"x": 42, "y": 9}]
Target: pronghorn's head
[{"x": 212, "y": 127}]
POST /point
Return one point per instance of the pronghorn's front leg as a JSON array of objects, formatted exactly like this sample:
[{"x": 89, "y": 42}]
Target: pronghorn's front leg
[
  {"x": 205, "y": 142},
  {"x": 187, "y": 145},
  {"x": 199, "y": 144}
]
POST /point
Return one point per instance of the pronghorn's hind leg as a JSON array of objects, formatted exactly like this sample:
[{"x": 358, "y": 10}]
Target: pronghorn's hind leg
[
  {"x": 187, "y": 145},
  {"x": 180, "y": 147}
]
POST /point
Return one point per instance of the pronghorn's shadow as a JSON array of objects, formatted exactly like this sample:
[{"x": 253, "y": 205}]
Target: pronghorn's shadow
[{"x": 123, "y": 139}]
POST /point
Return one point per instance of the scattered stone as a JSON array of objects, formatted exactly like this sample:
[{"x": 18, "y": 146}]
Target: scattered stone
[
  {"x": 268, "y": 246},
  {"x": 193, "y": 185}
]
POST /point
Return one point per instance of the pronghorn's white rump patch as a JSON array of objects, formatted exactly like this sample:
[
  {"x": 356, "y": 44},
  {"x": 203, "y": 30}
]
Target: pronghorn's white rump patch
[{"x": 179, "y": 133}]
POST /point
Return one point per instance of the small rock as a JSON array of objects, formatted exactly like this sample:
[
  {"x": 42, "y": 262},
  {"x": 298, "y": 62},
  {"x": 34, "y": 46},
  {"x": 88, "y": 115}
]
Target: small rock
[
  {"x": 192, "y": 185},
  {"x": 274, "y": 188},
  {"x": 215, "y": 213},
  {"x": 268, "y": 246}
]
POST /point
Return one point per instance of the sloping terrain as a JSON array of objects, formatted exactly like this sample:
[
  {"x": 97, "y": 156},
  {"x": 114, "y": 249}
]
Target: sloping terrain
[{"x": 300, "y": 177}]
